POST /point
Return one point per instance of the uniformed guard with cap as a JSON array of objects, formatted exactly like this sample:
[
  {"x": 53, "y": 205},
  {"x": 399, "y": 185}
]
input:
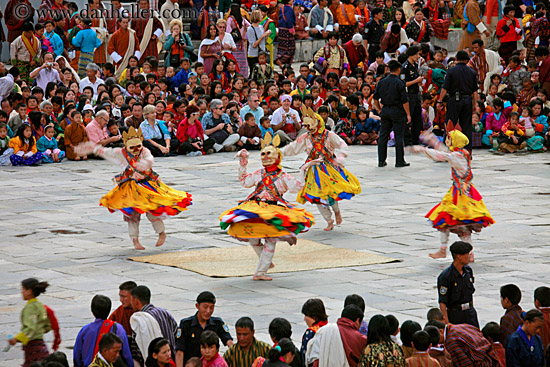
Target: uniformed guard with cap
[
  {"x": 413, "y": 80},
  {"x": 394, "y": 114},
  {"x": 461, "y": 85},
  {"x": 455, "y": 285},
  {"x": 190, "y": 329}
]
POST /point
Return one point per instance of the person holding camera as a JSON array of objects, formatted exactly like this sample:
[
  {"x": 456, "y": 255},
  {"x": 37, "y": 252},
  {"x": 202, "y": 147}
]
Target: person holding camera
[
  {"x": 48, "y": 72},
  {"x": 178, "y": 45},
  {"x": 286, "y": 120},
  {"x": 217, "y": 125},
  {"x": 191, "y": 135}
]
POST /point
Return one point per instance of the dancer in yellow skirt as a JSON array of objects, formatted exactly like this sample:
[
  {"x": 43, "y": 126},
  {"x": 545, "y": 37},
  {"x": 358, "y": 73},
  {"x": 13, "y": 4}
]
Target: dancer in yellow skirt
[
  {"x": 462, "y": 210},
  {"x": 139, "y": 189},
  {"x": 264, "y": 214},
  {"x": 328, "y": 182}
]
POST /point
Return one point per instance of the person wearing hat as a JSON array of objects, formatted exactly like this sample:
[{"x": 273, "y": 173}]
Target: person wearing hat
[
  {"x": 374, "y": 32},
  {"x": 391, "y": 92},
  {"x": 190, "y": 329},
  {"x": 461, "y": 85},
  {"x": 413, "y": 81},
  {"x": 455, "y": 285},
  {"x": 356, "y": 51}
]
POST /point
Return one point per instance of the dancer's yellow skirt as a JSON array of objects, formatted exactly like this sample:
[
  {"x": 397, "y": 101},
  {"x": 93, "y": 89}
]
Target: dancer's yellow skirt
[
  {"x": 150, "y": 196},
  {"x": 259, "y": 219},
  {"x": 326, "y": 184}
]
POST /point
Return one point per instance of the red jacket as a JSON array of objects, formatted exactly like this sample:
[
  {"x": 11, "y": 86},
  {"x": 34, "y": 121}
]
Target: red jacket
[
  {"x": 183, "y": 131},
  {"x": 544, "y": 71},
  {"x": 508, "y": 34}
]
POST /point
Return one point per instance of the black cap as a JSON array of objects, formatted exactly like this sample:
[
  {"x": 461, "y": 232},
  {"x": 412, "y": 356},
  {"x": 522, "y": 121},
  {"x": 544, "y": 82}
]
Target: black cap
[
  {"x": 87, "y": 21},
  {"x": 206, "y": 297},
  {"x": 461, "y": 248}
]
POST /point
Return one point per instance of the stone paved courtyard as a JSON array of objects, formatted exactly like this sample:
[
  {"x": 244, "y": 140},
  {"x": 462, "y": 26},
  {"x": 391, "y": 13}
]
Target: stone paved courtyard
[{"x": 53, "y": 229}]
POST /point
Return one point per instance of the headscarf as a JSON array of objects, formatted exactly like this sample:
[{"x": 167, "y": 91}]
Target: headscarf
[{"x": 68, "y": 66}]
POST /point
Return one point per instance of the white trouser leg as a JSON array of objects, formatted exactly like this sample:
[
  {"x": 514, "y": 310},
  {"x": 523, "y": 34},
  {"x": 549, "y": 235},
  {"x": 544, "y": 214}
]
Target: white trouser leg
[
  {"x": 444, "y": 235},
  {"x": 325, "y": 212},
  {"x": 266, "y": 256},
  {"x": 257, "y": 245},
  {"x": 335, "y": 207},
  {"x": 231, "y": 140},
  {"x": 157, "y": 222}
]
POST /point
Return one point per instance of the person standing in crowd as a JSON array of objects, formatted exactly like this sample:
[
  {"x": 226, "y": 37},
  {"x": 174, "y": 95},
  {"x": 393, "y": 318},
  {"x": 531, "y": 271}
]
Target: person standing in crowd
[
  {"x": 472, "y": 25},
  {"x": 25, "y": 51},
  {"x": 256, "y": 40},
  {"x": 508, "y": 32},
  {"x": 374, "y": 31},
  {"x": 356, "y": 52},
  {"x": 345, "y": 15},
  {"x": 320, "y": 20},
  {"x": 123, "y": 44},
  {"x": 237, "y": 27},
  {"x": 413, "y": 80},
  {"x": 15, "y": 19},
  {"x": 177, "y": 44},
  {"x": 87, "y": 41},
  {"x": 419, "y": 30},
  {"x": 485, "y": 63},
  {"x": 287, "y": 43},
  {"x": 148, "y": 29},
  {"x": 456, "y": 287},
  {"x": 123, "y": 313},
  {"x": 461, "y": 87},
  {"x": 395, "y": 113}
]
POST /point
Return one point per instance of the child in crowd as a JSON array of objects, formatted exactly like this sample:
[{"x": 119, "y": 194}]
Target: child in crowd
[
  {"x": 5, "y": 150},
  {"x": 265, "y": 126},
  {"x": 394, "y": 329},
  {"x": 525, "y": 121},
  {"x": 210, "y": 348},
  {"x": 113, "y": 130},
  {"x": 540, "y": 125},
  {"x": 510, "y": 296},
  {"x": 495, "y": 121},
  {"x": 250, "y": 133},
  {"x": 515, "y": 74},
  {"x": 18, "y": 120},
  {"x": 492, "y": 332},
  {"x": 323, "y": 111},
  {"x": 344, "y": 127},
  {"x": 421, "y": 343},
  {"x": 262, "y": 71},
  {"x": 408, "y": 328},
  {"x": 493, "y": 90},
  {"x": 75, "y": 134},
  {"x": 427, "y": 111},
  {"x": 366, "y": 130},
  {"x": 317, "y": 100},
  {"x": 526, "y": 94},
  {"x": 437, "y": 350},
  {"x": 24, "y": 148},
  {"x": 512, "y": 135},
  {"x": 194, "y": 362},
  {"x": 47, "y": 145}
]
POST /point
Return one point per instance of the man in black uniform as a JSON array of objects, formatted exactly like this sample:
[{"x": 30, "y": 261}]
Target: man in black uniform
[
  {"x": 456, "y": 287},
  {"x": 391, "y": 92},
  {"x": 412, "y": 79},
  {"x": 374, "y": 31},
  {"x": 461, "y": 84},
  {"x": 190, "y": 329}
]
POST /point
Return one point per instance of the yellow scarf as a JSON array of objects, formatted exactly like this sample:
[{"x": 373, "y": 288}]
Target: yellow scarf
[{"x": 31, "y": 45}]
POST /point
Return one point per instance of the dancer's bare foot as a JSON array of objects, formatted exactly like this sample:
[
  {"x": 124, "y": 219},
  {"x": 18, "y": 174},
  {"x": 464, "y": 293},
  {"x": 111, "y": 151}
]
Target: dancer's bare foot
[
  {"x": 441, "y": 254},
  {"x": 330, "y": 226},
  {"x": 161, "y": 240},
  {"x": 338, "y": 216},
  {"x": 271, "y": 266},
  {"x": 261, "y": 277},
  {"x": 292, "y": 241},
  {"x": 137, "y": 245},
  {"x": 472, "y": 258}
]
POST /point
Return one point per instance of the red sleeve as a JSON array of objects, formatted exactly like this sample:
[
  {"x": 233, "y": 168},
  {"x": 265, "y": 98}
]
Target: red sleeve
[
  {"x": 500, "y": 24},
  {"x": 55, "y": 328},
  {"x": 544, "y": 70},
  {"x": 180, "y": 134}
]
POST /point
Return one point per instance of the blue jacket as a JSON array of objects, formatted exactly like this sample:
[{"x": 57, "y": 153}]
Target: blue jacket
[
  {"x": 519, "y": 354},
  {"x": 56, "y": 42},
  {"x": 180, "y": 78},
  {"x": 367, "y": 126},
  {"x": 86, "y": 40}
]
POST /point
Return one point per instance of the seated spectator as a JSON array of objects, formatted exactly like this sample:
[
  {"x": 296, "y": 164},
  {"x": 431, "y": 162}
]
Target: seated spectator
[
  {"x": 210, "y": 350},
  {"x": 366, "y": 130},
  {"x": 159, "y": 354},
  {"x": 323, "y": 111},
  {"x": 467, "y": 346},
  {"x": 315, "y": 317},
  {"x": 408, "y": 328},
  {"x": 249, "y": 133},
  {"x": 494, "y": 122},
  {"x": 524, "y": 347},
  {"x": 421, "y": 343},
  {"x": 435, "y": 314},
  {"x": 19, "y": 118},
  {"x": 542, "y": 303},
  {"x": 282, "y": 354},
  {"x": 287, "y": 120},
  {"x": 191, "y": 135},
  {"x": 380, "y": 347},
  {"x": 217, "y": 125},
  {"x": 156, "y": 136},
  {"x": 436, "y": 330},
  {"x": 512, "y": 135},
  {"x": 514, "y": 74},
  {"x": 394, "y": 329},
  {"x": 355, "y": 299},
  {"x": 115, "y": 134},
  {"x": 86, "y": 340},
  {"x": 24, "y": 148},
  {"x": 109, "y": 348},
  {"x": 75, "y": 134},
  {"x": 344, "y": 127},
  {"x": 348, "y": 325},
  {"x": 47, "y": 145},
  {"x": 492, "y": 332},
  {"x": 5, "y": 150},
  {"x": 321, "y": 21},
  {"x": 97, "y": 132},
  {"x": 265, "y": 126},
  {"x": 248, "y": 348},
  {"x": 540, "y": 123}
]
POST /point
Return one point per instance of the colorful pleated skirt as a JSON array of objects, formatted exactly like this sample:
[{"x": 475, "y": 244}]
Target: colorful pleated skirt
[
  {"x": 259, "y": 219},
  {"x": 327, "y": 183},
  {"x": 459, "y": 210},
  {"x": 132, "y": 197},
  {"x": 35, "y": 351}
]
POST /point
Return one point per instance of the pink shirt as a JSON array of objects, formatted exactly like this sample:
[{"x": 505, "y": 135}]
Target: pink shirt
[
  {"x": 95, "y": 132},
  {"x": 216, "y": 362}
]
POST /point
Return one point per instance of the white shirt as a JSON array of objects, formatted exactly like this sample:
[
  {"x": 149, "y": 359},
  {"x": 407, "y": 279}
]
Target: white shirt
[
  {"x": 6, "y": 86},
  {"x": 87, "y": 83},
  {"x": 280, "y": 114}
]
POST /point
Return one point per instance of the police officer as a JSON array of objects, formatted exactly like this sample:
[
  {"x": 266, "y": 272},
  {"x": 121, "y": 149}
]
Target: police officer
[
  {"x": 461, "y": 84},
  {"x": 391, "y": 92},
  {"x": 456, "y": 287},
  {"x": 190, "y": 329},
  {"x": 374, "y": 32},
  {"x": 409, "y": 74}
]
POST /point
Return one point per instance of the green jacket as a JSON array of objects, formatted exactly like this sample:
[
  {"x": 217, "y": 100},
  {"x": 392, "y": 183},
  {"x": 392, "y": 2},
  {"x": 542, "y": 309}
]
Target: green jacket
[
  {"x": 98, "y": 362},
  {"x": 35, "y": 322}
]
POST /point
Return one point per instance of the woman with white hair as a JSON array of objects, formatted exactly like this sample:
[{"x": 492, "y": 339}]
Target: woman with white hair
[
  {"x": 178, "y": 45},
  {"x": 156, "y": 136}
]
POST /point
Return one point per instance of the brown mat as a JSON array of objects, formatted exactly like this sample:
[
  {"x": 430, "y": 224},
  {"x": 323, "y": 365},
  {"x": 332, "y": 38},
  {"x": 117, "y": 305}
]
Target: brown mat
[{"x": 241, "y": 260}]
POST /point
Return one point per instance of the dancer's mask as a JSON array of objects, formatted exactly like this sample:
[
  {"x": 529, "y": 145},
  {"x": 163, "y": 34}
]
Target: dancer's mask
[
  {"x": 271, "y": 155},
  {"x": 455, "y": 138},
  {"x": 133, "y": 141},
  {"x": 314, "y": 124}
]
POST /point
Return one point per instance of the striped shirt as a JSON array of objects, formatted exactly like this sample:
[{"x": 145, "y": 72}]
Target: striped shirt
[
  {"x": 168, "y": 325},
  {"x": 238, "y": 357},
  {"x": 468, "y": 347},
  {"x": 510, "y": 322},
  {"x": 422, "y": 359}
]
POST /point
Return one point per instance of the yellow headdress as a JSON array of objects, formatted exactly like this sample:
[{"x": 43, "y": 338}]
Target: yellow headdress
[
  {"x": 457, "y": 139},
  {"x": 269, "y": 148}
]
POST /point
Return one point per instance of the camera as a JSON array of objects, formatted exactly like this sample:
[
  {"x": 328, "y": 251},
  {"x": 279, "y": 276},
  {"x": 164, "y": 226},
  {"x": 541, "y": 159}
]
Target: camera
[
  {"x": 50, "y": 64},
  {"x": 181, "y": 42}
]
